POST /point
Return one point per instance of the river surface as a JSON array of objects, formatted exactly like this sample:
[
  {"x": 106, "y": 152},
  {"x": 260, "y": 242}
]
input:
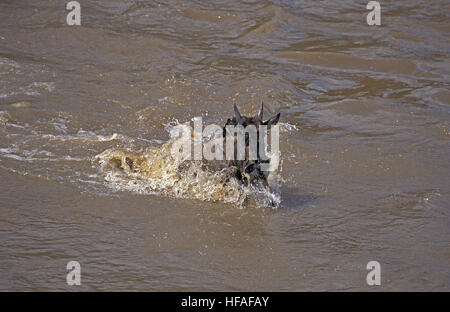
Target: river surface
[{"x": 364, "y": 143}]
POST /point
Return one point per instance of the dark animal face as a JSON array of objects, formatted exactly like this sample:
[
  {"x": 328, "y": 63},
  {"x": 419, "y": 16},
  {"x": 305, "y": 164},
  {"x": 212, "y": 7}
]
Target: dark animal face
[{"x": 250, "y": 170}]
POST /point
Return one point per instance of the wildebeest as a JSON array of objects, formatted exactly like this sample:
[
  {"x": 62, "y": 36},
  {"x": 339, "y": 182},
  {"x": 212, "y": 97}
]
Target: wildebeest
[{"x": 248, "y": 170}]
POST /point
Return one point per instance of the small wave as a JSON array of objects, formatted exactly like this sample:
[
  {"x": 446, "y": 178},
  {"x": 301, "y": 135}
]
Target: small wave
[
  {"x": 84, "y": 136},
  {"x": 287, "y": 127},
  {"x": 34, "y": 155}
]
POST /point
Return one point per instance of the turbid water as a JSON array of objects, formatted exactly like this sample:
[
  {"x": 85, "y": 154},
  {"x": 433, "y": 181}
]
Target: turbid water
[{"x": 364, "y": 143}]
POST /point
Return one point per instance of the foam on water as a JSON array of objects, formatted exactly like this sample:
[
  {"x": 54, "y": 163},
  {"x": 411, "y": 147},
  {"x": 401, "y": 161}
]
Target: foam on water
[{"x": 4, "y": 117}]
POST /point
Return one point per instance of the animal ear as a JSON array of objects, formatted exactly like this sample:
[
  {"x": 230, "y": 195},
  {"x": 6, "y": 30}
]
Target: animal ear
[
  {"x": 272, "y": 121},
  {"x": 239, "y": 118},
  {"x": 261, "y": 110}
]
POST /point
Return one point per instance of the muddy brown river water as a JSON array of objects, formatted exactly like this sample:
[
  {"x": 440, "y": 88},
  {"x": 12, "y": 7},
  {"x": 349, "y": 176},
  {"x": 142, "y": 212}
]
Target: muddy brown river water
[{"x": 364, "y": 143}]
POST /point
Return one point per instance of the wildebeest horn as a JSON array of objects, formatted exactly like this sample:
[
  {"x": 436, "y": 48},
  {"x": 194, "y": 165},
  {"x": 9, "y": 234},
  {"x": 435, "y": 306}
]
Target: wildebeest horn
[
  {"x": 239, "y": 118},
  {"x": 260, "y": 114},
  {"x": 272, "y": 120}
]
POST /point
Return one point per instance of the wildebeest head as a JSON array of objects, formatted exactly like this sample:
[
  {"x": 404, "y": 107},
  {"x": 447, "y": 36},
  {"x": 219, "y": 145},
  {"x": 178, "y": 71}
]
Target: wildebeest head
[
  {"x": 249, "y": 170},
  {"x": 255, "y": 120}
]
